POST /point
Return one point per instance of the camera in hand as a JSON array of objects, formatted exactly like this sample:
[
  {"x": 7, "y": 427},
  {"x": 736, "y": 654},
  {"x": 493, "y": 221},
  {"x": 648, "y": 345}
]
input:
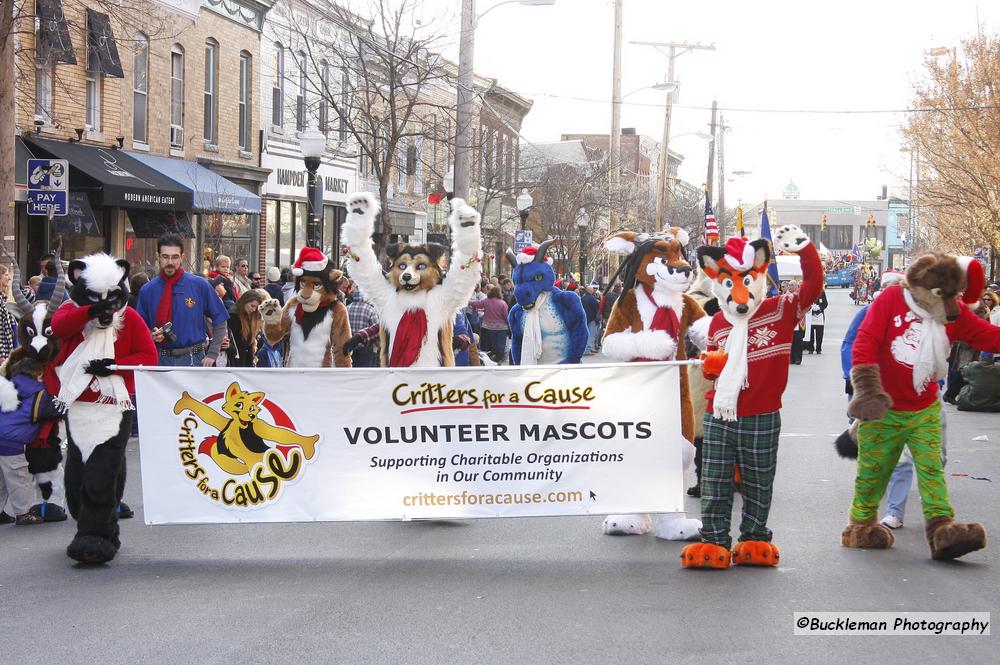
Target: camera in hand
[{"x": 167, "y": 330}]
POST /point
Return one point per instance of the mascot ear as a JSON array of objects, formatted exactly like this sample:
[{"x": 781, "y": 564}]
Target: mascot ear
[
  {"x": 622, "y": 242},
  {"x": 435, "y": 251},
  {"x": 762, "y": 255},
  {"x": 511, "y": 258},
  {"x": 709, "y": 257},
  {"x": 680, "y": 235},
  {"x": 917, "y": 271},
  {"x": 125, "y": 266},
  {"x": 335, "y": 276},
  {"x": 256, "y": 398},
  {"x": 392, "y": 251},
  {"x": 75, "y": 268},
  {"x": 233, "y": 390}
]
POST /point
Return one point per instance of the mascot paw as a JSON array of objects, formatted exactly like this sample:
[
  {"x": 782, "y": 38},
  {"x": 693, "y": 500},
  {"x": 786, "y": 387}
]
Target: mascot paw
[
  {"x": 755, "y": 553},
  {"x": 627, "y": 525},
  {"x": 677, "y": 527},
  {"x": 790, "y": 238},
  {"x": 869, "y": 408},
  {"x": 655, "y": 344},
  {"x": 847, "y": 443},
  {"x": 867, "y": 535},
  {"x": 92, "y": 550},
  {"x": 705, "y": 555},
  {"x": 713, "y": 363},
  {"x": 270, "y": 311},
  {"x": 464, "y": 223},
  {"x": 950, "y": 539},
  {"x": 360, "y": 223}
]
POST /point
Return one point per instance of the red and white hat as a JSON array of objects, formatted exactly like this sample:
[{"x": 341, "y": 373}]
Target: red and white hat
[
  {"x": 740, "y": 253},
  {"x": 890, "y": 277},
  {"x": 975, "y": 280},
  {"x": 527, "y": 255},
  {"x": 310, "y": 260}
]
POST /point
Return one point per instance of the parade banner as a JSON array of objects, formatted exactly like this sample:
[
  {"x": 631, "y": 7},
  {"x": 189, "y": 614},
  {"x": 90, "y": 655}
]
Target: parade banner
[{"x": 291, "y": 445}]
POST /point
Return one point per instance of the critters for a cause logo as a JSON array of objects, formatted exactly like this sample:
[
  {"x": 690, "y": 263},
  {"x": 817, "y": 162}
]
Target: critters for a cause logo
[{"x": 256, "y": 470}]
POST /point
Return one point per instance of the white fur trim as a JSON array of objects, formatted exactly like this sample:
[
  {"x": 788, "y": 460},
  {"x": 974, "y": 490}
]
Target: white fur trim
[
  {"x": 682, "y": 237},
  {"x": 523, "y": 258},
  {"x": 91, "y": 424},
  {"x": 698, "y": 332},
  {"x": 313, "y": 266},
  {"x": 620, "y": 346},
  {"x": 102, "y": 273},
  {"x": 619, "y": 245},
  {"x": 309, "y": 351},
  {"x": 627, "y": 525},
  {"x": 746, "y": 262},
  {"x": 655, "y": 344},
  {"x": 9, "y": 400}
]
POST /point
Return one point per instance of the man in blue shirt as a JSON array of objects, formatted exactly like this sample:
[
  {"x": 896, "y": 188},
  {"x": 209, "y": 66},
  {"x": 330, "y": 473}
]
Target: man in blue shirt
[{"x": 185, "y": 301}]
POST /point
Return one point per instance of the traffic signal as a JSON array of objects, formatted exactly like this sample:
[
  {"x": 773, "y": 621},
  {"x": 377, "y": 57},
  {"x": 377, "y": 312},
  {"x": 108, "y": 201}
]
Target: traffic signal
[
  {"x": 822, "y": 222},
  {"x": 870, "y": 222}
]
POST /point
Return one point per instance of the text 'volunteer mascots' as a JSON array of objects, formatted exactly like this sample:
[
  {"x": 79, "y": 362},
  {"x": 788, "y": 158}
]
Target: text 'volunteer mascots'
[
  {"x": 900, "y": 353},
  {"x": 749, "y": 344}
]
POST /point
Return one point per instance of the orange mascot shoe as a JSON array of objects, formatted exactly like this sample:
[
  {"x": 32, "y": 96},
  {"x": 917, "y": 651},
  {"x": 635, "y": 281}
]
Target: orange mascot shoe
[
  {"x": 755, "y": 553},
  {"x": 705, "y": 555}
]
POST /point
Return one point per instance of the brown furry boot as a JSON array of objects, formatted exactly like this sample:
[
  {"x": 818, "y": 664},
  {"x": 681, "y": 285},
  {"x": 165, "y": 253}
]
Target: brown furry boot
[
  {"x": 867, "y": 534},
  {"x": 950, "y": 539}
]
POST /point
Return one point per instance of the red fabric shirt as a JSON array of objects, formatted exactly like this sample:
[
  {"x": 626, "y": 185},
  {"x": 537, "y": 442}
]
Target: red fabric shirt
[
  {"x": 134, "y": 345},
  {"x": 890, "y": 336},
  {"x": 769, "y": 340}
]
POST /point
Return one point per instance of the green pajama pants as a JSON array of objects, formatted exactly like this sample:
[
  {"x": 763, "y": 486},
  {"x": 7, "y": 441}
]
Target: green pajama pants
[
  {"x": 881, "y": 442},
  {"x": 751, "y": 442}
]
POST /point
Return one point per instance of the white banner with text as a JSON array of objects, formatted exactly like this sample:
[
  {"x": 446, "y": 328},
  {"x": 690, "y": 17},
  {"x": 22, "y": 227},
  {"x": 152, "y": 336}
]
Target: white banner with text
[{"x": 284, "y": 445}]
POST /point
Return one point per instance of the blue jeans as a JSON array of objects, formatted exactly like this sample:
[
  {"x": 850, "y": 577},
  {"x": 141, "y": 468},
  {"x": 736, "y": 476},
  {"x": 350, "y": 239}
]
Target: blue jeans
[
  {"x": 190, "y": 360},
  {"x": 902, "y": 476},
  {"x": 594, "y": 339}
]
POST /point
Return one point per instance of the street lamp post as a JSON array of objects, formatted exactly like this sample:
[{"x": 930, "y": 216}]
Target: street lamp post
[
  {"x": 313, "y": 145},
  {"x": 524, "y": 203},
  {"x": 582, "y": 222}
]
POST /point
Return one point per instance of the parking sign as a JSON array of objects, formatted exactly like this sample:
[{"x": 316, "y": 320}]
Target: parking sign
[
  {"x": 522, "y": 238},
  {"x": 48, "y": 187}
]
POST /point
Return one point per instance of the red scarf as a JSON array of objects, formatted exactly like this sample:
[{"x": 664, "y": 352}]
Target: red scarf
[
  {"x": 164, "y": 311},
  {"x": 410, "y": 334},
  {"x": 665, "y": 319}
]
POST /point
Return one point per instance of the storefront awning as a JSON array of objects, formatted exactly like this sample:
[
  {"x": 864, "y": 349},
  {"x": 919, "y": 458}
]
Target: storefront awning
[
  {"x": 154, "y": 223},
  {"x": 21, "y": 157},
  {"x": 212, "y": 192},
  {"x": 102, "y": 52},
  {"x": 118, "y": 179},
  {"x": 53, "y": 31},
  {"x": 80, "y": 219}
]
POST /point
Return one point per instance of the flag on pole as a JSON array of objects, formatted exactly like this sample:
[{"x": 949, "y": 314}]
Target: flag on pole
[
  {"x": 739, "y": 222},
  {"x": 772, "y": 270},
  {"x": 711, "y": 225}
]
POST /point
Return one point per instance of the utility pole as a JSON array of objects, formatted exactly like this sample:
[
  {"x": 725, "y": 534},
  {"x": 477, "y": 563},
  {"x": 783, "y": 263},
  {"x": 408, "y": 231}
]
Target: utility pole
[
  {"x": 8, "y": 34},
  {"x": 463, "y": 115},
  {"x": 721, "y": 212},
  {"x": 710, "y": 177},
  {"x": 615, "y": 157},
  {"x": 663, "y": 187}
]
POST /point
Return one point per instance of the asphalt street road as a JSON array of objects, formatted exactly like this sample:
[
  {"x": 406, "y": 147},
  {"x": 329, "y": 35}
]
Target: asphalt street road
[{"x": 518, "y": 590}]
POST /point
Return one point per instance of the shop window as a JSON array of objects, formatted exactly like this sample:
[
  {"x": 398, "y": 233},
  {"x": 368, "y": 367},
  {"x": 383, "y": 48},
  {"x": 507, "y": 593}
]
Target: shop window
[
  {"x": 270, "y": 249},
  {"x": 278, "y": 85},
  {"x": 177, "y": 97},
  {"x": 245, "y": 106},
  {"x": 211, "y": 130},
  {"x": 140, "y": 89},
  {"x": 286, "y": 224},
  {"x": 300, "y": 101},
  {"x": 95, "y": 81}
]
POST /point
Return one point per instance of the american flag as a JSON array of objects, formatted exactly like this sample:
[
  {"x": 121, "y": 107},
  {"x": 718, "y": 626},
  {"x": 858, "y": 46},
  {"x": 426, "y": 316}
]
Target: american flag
[{"x": 711, "y": 225}]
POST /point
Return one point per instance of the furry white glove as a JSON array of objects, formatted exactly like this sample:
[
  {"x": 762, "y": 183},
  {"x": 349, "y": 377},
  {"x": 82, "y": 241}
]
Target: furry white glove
[
  {"x": 464, "y": 223},
  {"x": 790, "y": 238},
  {"x": 362, "y": 209},
  {"x": 270, "y": 311},
  {"x": 654, "y": 344}
]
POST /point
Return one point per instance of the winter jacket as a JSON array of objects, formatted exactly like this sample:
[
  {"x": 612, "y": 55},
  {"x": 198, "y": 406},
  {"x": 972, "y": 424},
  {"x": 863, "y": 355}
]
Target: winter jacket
[{"x": 24, "y": 404}]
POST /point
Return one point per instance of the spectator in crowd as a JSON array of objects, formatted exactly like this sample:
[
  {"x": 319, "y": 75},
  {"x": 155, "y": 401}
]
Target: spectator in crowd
[
  {"x": 245, "y": 324},
  {"x": 471, "y": 313},
  {"x": 592, "y": 306},
  {"x": 241, "y": 280},
  {"x": 464, "y": 342},
  {"x": 8, "y": 322},
  {"x": 185, "y": 301},
  {"x": 48, "y": 283},
  {"x": 223, "y": 266},
  {"x": 135, "y": 284},
  {"x": 33, "y": 283},
  {"x": 363, "y": 317},
  {"x": 287, "y": 284},
  {"x": 815, "y": 342},
  {"x": 43, "y": 262},
  {"x": 493, "y": 336},
  {"x": 273, "y": 286},
  {"x": 508, "y": 292},
  {"x": 256, "y": 280},
  {"x": 226, "y": 291}
]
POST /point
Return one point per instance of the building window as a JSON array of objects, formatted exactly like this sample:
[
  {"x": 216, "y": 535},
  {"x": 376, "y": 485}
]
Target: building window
[
  {"x": 324, "y": 103},
  {"x": 93, "y": 116},
  {"x": 177, "y": 97},
  {"x": 345, "y": 85},
  {"x": 278, "y": 85},
  {"x": 244, "y": 104},
  {"x": 43, "y": 92},
  {"x": 300, "y": 100},
  {"x": 211, "y": 129},
  {"x": 140, "y": 89},
  {"x": 401, "y": 162}
]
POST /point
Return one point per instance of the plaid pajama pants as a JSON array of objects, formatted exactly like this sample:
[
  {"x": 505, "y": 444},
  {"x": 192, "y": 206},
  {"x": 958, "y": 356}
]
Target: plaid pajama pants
[{"x": 751, "y": 442}]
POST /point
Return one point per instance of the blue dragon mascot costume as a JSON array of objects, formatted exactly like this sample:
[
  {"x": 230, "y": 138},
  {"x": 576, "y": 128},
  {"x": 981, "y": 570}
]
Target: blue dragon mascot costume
[{"x": 547, "y": 326}]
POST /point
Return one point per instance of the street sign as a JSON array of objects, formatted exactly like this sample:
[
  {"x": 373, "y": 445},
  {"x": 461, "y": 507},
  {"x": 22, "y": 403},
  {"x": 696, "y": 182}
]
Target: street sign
[
  {"x": 522, "y": 238},
  {"x": 48, "y": 187}
]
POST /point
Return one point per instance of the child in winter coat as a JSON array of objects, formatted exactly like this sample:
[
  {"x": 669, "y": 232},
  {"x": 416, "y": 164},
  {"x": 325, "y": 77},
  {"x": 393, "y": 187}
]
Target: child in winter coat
[{"x": 24, "y": 407}]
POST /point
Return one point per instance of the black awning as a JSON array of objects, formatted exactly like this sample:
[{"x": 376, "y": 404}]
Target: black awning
[
  {"x": 102, "y": 52},
  {"x": 121, "y": 180},
  {"x": 80, "y": 219},
  {"x": 55, "y": 43},
  {"x": 154, "y": 223},
  {"x": 21, "y": 157}
]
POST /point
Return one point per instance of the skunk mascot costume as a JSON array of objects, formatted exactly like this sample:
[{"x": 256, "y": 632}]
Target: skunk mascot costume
[{"x": 97, "y": 330}]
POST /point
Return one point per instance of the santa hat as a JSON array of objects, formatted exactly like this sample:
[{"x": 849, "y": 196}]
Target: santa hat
[
  {"x": 311, "y": 260},
  {"x": 527, "y": 255},
  {"x": 890, "y": 277},
  {"x": 975, "y": 280},
  {"x": 740, "y": 253}
]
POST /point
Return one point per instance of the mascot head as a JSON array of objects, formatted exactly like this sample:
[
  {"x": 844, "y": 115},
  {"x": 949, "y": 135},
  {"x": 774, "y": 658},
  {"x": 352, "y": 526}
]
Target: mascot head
[
  {"x": 415, "y": 267},
  {"x": 100, "y": 279},
  {"x": 533, "y": 274},
  {"x": 942, "y": 283},
  {"x": 316, "y": 279},
  {"x": 34, "y": 336},
  {"x": 655, "y": 260},
  {"x": 738, "y": 272}
]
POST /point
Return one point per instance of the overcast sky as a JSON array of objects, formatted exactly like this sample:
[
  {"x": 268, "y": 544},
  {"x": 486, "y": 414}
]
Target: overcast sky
[{"x": 779, "y": 55}]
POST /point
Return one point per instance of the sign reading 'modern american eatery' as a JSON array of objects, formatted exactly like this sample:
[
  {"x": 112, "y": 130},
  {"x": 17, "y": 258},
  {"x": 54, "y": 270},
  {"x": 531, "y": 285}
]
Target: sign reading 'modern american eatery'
[{"x": 259, "y": 445}]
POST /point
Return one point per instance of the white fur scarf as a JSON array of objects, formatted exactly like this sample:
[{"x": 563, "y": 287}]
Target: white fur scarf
[
  {"x": 734, "y": 375},
  {"x": 97, "y": 343},
  {"x": 531, "y": 341},
  {"x": 932, "y": 353}
]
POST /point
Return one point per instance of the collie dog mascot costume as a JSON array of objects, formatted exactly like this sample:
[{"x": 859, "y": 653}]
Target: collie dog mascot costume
[
  {"x": 899, "y": 354},
  {"x": 548, "y": 326},
  {"x": 97, "y": 330},
  {"x": 314, "y": 319},
  {"x": 749, "y": 345},
  {"x": 649, "y": 321},
  {"x": 416, "y": 301},
  {"x": 37, "y": 343}
]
